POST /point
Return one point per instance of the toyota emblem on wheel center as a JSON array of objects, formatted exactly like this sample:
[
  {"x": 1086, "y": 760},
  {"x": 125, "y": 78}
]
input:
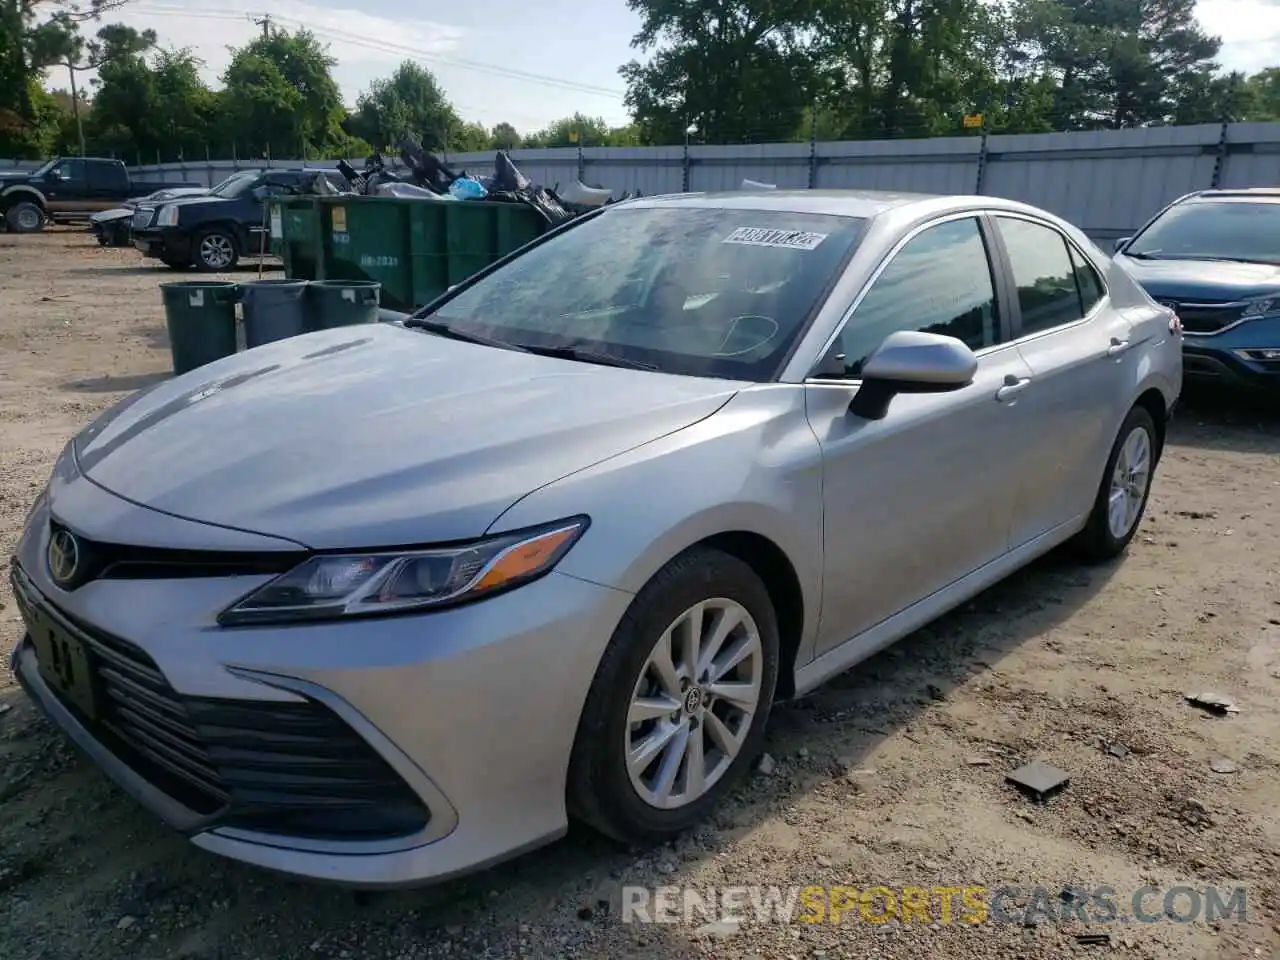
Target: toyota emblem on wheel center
[{"x": 64, "y": 557}]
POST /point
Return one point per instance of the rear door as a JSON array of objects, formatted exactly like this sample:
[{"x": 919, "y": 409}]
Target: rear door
[
  {"x": 923, "y": 497},
  {"x": 108, "y": 184},
  {"x": 1080, "y": 352}
]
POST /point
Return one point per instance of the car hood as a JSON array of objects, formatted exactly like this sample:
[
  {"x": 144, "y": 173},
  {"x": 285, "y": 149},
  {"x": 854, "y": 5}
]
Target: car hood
[
  {"x": 115, "y": 213},
  {"x": 377, "y": 435},
  {"x": 1212, "y": 281}
]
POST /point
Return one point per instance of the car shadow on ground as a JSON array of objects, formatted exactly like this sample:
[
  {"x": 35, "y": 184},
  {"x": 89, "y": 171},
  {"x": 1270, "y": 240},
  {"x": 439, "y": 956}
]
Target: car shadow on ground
[
  {"x": 160, "y": 270},
  {"x": 1216, "y": 419},
  {"x": 110, "y": 384}
]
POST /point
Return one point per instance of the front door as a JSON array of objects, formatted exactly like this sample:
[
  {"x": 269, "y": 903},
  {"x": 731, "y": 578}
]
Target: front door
[{"x": 919, "y": 499}]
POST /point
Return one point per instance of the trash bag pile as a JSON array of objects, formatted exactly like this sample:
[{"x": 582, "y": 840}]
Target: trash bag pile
[{"x": 427, "y": 177}]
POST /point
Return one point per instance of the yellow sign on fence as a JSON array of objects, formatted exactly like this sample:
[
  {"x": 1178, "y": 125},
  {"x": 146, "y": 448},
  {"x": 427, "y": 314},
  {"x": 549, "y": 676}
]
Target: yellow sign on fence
[{"x": 972, "y": 120}]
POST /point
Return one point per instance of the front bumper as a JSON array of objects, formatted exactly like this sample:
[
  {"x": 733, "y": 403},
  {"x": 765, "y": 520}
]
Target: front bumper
[
  {"x": 1236, "y": 357},
  {"x": 460, "y": 705},
  {"x": 163, "y": 243}
]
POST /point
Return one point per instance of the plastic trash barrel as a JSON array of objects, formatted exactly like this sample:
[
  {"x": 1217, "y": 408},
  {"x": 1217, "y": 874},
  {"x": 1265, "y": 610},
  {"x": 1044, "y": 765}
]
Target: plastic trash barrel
[
  {"x": 201, "y": 318},
  {"x": 273, "y": 310},
  {"x": 342, "y": 303}
]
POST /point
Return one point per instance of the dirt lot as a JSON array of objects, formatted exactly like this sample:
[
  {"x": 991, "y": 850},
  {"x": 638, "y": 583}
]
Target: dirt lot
[{"x": 893, "y": 775}]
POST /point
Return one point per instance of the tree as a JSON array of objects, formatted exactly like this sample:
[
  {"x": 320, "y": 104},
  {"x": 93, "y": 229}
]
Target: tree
[
  {"x": 279, "y": 94},
  {"x": 737, "y": 71},
  {"x": 589, "y": 131},
  {"x": 409, "y": 103},
  {"x": 504, "y": 137},
  {"x": 34, "y": 35},
  {"x": 1117, "y": 64}
]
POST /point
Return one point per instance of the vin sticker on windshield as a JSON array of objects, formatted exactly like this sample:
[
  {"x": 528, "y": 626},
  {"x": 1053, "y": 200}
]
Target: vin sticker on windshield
[{"x": 764, "y": 237}]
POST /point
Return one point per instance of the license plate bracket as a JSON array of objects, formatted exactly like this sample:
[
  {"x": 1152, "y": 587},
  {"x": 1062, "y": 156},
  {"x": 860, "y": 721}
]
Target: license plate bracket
[{"x": 64, "y": 664}]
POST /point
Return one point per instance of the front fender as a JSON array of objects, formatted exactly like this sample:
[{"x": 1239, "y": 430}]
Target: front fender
[
  {"x": 15, "y": 193},
  {"x": 752, "y": 467}
]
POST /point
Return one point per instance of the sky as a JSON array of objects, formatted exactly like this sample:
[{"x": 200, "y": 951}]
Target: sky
[{"x": 524, "y": 63}]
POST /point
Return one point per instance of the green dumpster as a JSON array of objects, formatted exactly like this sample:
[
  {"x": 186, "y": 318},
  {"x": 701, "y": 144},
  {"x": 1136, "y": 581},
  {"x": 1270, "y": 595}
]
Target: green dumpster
[
  {"x": 201, "y": 318},
  {"x": 416, "y": 249},
  {"x": 342, "y": 303}
]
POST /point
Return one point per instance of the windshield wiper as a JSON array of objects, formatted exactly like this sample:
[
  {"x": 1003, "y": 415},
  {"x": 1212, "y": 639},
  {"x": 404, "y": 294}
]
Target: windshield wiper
[
  {"x": 453, "y": 333},
  {"x": 588, "y": 356},
  {"x": 1142, "y": 256}
]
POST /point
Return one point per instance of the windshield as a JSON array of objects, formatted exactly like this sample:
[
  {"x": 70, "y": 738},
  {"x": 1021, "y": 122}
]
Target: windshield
[
  {"x": 711, "y": 292},
  {"x": 1218, "y": 229},
  {"x": 235, "y": 185}
]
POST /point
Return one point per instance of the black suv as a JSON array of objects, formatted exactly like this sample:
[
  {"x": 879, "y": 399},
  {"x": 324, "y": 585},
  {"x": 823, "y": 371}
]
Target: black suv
[{"x": 214, "y": 231}]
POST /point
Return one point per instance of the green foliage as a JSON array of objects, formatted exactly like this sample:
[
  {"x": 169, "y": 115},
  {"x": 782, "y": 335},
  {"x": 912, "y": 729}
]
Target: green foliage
[{"x": 713, "y": 71}]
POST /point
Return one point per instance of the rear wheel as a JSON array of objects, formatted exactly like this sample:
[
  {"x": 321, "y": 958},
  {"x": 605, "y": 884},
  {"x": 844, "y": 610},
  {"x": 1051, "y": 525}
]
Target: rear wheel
[
  {"x": 215, "y": 251},
  {"x": 25, "y": 217},
  {"x": 677, "y": 710},
  {"x": 1126, "y": 485}
]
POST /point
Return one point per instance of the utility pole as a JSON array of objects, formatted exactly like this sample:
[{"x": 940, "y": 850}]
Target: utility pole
[
  {"x": 265, "y": 24},
  {"x": 75, "y": 105}
]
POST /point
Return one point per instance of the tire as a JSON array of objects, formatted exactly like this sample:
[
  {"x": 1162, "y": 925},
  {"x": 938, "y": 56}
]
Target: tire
[
  {"x": 601, "y": 790},
  {"x": 209, "y": 241},
  {"x": 1100, "y": 541},
  {"x": 25, "y": 217}
]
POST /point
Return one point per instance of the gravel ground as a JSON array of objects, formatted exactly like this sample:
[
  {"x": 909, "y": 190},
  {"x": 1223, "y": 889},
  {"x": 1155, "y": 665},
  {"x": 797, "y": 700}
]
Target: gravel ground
[{"x": 891, "y": 775}]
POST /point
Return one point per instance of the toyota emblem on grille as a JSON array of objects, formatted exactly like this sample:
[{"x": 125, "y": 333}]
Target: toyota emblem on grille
[{"x": 64, "y": 557}]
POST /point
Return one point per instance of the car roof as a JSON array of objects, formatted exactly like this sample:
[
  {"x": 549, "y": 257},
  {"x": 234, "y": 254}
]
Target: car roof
[
  {"x": 1242, "y": 192},
  {"x": 863, "y": 204}
]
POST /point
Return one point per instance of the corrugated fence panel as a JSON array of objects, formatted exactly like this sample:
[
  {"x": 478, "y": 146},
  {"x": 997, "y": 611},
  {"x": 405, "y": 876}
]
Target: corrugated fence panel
[
  {"x": 715, "y": 168},
  {"x": 1253, "y": 155},
  {"x": 947, "y": 165},
  {"x": 649, "y": 170},
  {"x": 1108, "y": 182}
]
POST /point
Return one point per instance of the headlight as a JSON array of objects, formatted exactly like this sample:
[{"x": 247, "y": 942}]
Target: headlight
[
  {"x": 168, "y": 216},
  {"x": 360, "y": 584},
  {"x": 1260, "y": 307}
]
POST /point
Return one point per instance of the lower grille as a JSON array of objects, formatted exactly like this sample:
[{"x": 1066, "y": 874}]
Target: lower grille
[{"x": 294, "y": 769}]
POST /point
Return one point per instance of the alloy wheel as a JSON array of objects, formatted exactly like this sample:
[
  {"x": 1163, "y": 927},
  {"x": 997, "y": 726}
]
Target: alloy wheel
[
  {"x": 216, "y": 251},
  {"x": 694, "y": 703},
  {"x": 1129, "y": 482}
]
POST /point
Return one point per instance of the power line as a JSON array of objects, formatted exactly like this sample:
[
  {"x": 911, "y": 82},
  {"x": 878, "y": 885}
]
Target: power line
[{"x": 387, "y": 47}]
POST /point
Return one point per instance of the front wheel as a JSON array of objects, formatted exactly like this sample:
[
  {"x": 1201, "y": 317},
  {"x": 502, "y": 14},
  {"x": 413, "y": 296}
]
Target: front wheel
[
  {"x": 215, "y": 251},
  {"x": 677, "y": 710},
  {"x": 25, "y": 217},
  {"x": 1126, "y": 485}
]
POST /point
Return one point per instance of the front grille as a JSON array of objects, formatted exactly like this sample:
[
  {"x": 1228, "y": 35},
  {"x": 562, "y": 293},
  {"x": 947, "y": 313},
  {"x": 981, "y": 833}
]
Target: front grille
[
  {"x": 294, "y": 769},
  {"x": 1204, "y": 317},
  {"x": 112, "y": 561}
]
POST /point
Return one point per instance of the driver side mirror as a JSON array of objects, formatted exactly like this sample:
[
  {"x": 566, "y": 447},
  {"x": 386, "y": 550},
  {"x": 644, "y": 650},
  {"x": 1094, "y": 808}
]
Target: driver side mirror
[
  {"x": 1120, "y": 243},
  {"x": 911, "y": 361}
]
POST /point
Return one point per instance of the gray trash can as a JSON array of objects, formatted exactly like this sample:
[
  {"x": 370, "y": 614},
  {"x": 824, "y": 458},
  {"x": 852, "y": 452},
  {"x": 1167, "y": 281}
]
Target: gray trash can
[
  {"x": 342, "y": 303},
  {"x": 273, "y": 310}
]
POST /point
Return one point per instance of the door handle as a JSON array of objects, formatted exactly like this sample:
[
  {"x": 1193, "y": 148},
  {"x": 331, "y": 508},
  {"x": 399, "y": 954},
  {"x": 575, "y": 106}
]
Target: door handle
[
  {"x": 1118, "y": 347},
  {"x": 1012, "y": 387}
]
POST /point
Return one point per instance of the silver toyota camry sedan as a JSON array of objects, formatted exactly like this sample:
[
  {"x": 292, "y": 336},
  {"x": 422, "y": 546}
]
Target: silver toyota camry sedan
[{"x": 382, "y": 605}]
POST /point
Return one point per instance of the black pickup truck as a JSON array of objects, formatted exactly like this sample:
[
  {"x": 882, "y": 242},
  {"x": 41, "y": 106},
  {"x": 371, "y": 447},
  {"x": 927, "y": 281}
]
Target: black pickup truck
[{"x": 68, "y": 188}]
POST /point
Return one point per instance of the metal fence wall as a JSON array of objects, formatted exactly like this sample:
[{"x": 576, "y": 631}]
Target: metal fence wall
[{"x": 1107, "y": 182}]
